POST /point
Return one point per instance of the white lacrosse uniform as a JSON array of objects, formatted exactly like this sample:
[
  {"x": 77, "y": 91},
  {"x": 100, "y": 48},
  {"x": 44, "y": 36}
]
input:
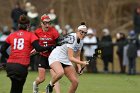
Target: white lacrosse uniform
[{"x": 60, "y": 53}]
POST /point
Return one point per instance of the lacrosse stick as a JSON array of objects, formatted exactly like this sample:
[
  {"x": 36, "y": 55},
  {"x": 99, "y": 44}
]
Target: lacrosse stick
[
  {"x": 94, "y": 57},
  {"x": 83, "y": 68}
]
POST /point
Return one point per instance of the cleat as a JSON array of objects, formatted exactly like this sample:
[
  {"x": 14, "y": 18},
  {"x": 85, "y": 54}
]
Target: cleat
[
  {"x": 35, "y": 87},
  {"x": 49, "y": 88}
]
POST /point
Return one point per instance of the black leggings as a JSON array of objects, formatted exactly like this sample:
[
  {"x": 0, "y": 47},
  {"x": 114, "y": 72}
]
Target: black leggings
[
  {"x": 17, "y": 85},
  {"x": 17, "y": 74}
]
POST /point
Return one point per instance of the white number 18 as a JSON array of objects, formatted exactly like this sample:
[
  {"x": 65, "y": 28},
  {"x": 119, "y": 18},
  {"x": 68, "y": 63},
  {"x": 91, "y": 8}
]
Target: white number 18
[{"x": 19, "y": 43}]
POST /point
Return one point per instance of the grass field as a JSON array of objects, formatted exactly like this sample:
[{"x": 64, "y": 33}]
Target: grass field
[{"x": 89, "y": 83}]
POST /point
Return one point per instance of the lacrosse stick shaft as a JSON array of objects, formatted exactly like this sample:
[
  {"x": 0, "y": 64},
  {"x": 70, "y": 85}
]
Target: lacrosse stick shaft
[
  {"x": 83, "y": 67},
  {"x": 94, "y": 58}
]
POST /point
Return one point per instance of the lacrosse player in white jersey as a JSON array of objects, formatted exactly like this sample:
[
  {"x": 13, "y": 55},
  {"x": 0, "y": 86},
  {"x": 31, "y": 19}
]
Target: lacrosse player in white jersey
[{"x": 62, "y": 57}]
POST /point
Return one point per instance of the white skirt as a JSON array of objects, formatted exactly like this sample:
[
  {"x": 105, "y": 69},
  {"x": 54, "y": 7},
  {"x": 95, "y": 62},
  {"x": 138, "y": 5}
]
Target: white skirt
[{"x": 58, "y": 55}]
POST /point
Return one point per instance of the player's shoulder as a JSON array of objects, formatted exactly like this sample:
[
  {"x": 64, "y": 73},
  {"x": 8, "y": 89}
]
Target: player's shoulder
[
  {"x": 53, "y": 29},
  {"x": 13, "y": 34},
  {"x": 38, "y": 30},
  {"x": 72, "y": 35}
]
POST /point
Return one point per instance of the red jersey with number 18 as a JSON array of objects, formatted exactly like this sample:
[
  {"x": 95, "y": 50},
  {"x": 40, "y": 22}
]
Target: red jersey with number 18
[{"x": 21, "y": 46}]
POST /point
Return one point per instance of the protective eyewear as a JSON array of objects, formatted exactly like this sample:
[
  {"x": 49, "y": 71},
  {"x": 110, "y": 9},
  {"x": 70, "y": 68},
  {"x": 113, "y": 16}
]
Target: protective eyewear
[
  {"x": 45, "y": 23},
  {"x": 83, "y": 32}
]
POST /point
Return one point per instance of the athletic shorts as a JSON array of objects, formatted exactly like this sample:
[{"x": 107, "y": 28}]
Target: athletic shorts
[
  {"x": 64, "y": 65},
  {"x": 43, "y": 62},
  {"x": 16, "y": 71}
]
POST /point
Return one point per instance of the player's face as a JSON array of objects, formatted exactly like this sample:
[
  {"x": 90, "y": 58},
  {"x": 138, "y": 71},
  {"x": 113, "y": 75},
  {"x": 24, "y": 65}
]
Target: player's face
[
  {"x": 45, "y": 25},
  {"x": 82, "y": 34}
]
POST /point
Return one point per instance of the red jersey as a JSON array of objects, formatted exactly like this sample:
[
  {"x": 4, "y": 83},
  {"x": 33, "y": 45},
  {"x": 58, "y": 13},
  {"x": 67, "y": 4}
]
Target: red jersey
[
  {"x": 47, "y": 38},
  {"x": 21, "y": 46}
]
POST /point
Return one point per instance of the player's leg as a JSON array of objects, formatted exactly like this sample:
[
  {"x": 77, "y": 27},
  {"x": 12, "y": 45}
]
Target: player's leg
[
  {"x": 17, "y": 85},
  {"x": 39, "y": 79},
  {"x": 41, "y": 73},
  {"x": 72, "y": 76},
  {"x": 17, "y": 73},
  {"x": 59, "y": 72},
  {"x": 57, "y": 85}
]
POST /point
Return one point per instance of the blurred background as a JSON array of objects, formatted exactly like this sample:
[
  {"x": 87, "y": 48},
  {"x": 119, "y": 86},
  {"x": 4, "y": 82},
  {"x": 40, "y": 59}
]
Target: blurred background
[{"x": 115, "y": 14}]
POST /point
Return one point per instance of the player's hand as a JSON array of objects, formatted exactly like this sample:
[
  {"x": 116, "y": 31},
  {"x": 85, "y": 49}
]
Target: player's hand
[
  {"x": 79, "y": 69},
  {"x": 80, "y": 72},
  {"x": 85, "y": 62}
]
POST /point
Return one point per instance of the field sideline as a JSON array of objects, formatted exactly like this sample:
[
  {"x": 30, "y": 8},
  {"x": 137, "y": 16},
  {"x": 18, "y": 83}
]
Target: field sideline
[{"x": 89, "y": 83}]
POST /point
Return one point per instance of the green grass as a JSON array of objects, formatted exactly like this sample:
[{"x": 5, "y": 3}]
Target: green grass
[{"x": 89, "y": 83}]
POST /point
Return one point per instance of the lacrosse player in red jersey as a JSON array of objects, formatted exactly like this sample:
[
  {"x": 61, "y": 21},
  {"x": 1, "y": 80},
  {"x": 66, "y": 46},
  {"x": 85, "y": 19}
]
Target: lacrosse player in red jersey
[
  {"x": 21, "y": 42},
  {"x": 48, "y": 36}
]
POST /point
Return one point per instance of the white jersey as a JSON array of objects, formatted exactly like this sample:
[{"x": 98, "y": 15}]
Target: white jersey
[{"x": 60, "y": 53}]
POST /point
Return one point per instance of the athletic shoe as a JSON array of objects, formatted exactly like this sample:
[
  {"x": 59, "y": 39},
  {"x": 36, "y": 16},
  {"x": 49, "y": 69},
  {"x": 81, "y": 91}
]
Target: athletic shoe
[
  {"x": 49, "y": 89},
  {"x": 35, "y": 87}
]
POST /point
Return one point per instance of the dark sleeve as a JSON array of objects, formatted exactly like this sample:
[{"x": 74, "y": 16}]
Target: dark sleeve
[
  {"x": 58, "y": 40},
  {"x": 4, "y": 48},
  {"x": 39, "y": 48}
]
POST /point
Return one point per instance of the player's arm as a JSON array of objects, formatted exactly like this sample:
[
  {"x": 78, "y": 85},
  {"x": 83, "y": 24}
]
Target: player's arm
[
  {"x": 58, "y": 41},
  {"x": 4, "y": 48},
  {"x": 78, "y": 57},
  {"x": 73, "y": 59},
  {"x": 39, "y": 48}
]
